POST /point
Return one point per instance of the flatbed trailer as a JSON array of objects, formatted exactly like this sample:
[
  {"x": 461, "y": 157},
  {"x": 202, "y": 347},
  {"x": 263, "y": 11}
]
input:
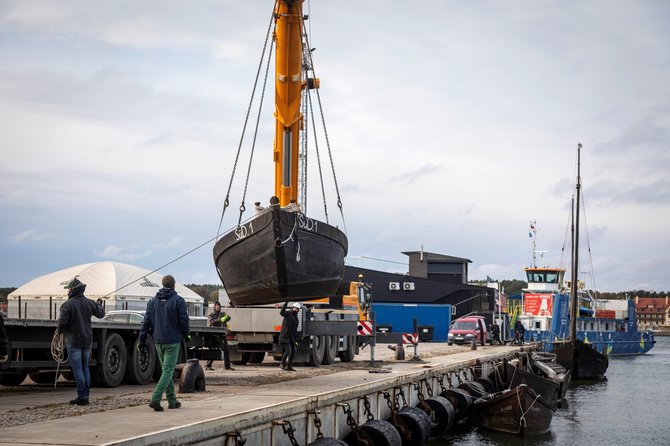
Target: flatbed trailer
[{"x": 114, "y": 355}]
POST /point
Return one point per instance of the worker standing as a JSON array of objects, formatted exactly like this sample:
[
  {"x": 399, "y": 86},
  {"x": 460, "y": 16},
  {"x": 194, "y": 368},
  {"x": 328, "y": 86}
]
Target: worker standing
[
  {"x": 218, "y": 318},
  {"x": 495, "y": 331},
  {"x": 167, "y": 320},
  {"x": 288, "y": 336},
  {"x": 519, "y": 332},
  {"x": 75, "y": 322},
  {"x": 4, "y": 343}
]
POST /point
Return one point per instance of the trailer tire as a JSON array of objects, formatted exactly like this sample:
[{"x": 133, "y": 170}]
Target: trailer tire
[
  {"x": 43, "y": 377},
  {"x": 316, "y": 350},
  {"x": 141, "y": 365},
  {"x": 109, "y": 372},
  {"x": 330, "y": 349},
  {"x": 256, "y": 357},
  {"x": 246, "y": 356},
  {"x": 350, "y": 352},
  {"x": 12, "y": 379}
]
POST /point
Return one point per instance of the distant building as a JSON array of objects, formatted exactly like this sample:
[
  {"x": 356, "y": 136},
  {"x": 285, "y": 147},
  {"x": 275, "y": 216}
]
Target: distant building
[
  {"x": 652, "y": 312},
  {"x": 432, "y": 278}
]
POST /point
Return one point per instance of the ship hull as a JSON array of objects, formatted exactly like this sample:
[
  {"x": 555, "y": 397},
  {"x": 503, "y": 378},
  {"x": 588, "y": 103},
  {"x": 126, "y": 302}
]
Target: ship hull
[
  {"x": 279, "y": 256},
  {"x": 583, "y": 361}
]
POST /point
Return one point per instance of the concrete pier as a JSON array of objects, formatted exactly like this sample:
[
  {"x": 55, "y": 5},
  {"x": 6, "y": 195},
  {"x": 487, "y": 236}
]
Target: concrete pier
[{"x": 257, "y": 412}]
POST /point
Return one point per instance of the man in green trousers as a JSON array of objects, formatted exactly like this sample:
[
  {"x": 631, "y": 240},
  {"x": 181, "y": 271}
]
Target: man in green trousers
[{"x": 167, "y": 321}]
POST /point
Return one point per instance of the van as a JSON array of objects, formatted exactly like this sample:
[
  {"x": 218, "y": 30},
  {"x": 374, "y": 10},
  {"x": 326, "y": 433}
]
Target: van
[{"x": 464, "y": 329}]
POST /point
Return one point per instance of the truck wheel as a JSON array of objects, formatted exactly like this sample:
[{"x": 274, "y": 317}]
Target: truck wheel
[
  {"x": 246, "y": 356},
  {"x": 112, "y": 367},
  {"x": 256, "y": 357},
  {"x": 43, "y": 377},
  {"x": 316, "y": 350},
  {"x": 12, "y": 379},
  {"x": 330, "y": 350},
  {"x": 140, "y": 365},
  {"x": 350, "y": 352}
]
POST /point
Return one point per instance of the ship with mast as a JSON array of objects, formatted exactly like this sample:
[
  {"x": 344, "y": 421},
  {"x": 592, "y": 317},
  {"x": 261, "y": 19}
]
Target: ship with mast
[{"x": 281, "y": 253}]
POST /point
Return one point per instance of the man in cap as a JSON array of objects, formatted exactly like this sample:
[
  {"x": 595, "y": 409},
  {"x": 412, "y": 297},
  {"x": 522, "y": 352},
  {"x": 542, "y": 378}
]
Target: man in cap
[
  {"x": 75, "y": 321},
  {"x": 288, "y": 336},
  {"x": 218, "y": 318},
  {"x": 167, "y": 320}
]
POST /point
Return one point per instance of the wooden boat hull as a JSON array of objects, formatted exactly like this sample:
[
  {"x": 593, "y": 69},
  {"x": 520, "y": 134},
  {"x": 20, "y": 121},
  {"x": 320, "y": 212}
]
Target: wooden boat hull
[
  {"x": 516, "y": 411},
  {"x": 278, "y": 256},
  {"x": 549, "y": 390},
  {"x": 583, "y": 361}
]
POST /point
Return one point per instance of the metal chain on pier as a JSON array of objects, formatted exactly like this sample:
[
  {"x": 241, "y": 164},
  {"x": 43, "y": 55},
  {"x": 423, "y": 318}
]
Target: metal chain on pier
[
  {"x": 351, "y": 422},
  {"x": 458, "y": 377},
  {"x": 393, "y": 405},
  {"x": 440, "y": 381},
  {"x": 400, "y": 394},
  {"x": 422, "y": 400},
  {"x": 317, "y": 422},
  {"x": 429, "y": 388},
  {"x": 449, "y": 378},
  {"x": 236, "y": 437},
  {"x": 366, "y": 406},
  {"x": 288, "y": 431}
]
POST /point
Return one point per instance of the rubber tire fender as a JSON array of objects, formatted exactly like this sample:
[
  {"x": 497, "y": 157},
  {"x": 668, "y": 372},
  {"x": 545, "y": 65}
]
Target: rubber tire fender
[
  {"x": 461, "y": 400},
  {"x": 327, "y": 442},
  {"x": 109, "y": 372},
  {"x": 382, "y": 433},
  {"x": 141, "y": 365},
  {"x": 442, "y": 417},
  {"x": 488, "y": 384},
  {"x": 475, "y": 389},
  {"x": 419, "y": 424}
]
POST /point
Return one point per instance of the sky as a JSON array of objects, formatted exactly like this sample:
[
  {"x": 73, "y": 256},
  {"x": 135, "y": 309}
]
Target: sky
[{"x": 452, "y": 124}]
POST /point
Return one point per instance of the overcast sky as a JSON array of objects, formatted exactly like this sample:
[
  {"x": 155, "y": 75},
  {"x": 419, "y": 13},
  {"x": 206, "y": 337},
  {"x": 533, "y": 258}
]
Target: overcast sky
[{"x": 453, "y": 124}]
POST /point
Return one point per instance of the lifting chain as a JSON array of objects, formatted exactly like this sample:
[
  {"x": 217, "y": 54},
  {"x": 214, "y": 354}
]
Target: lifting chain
[
  {"x": 440, "y": 381},
  {"x": 422, "y": 401},
  {"x": 351, "y": 422},
  {"x": 288, "y": 431},
  {"x": 317, "y": 422},
  {"x": 429, "y": 388},
  {"x": 449, "y": 378},
  {"x": 236, "y": 437},
  {"x": 458, "y": 377},
  {"x": 366, "y": 406}
]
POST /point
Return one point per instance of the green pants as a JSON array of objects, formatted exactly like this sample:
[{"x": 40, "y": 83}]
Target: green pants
[{"x": 167, "y": 355}]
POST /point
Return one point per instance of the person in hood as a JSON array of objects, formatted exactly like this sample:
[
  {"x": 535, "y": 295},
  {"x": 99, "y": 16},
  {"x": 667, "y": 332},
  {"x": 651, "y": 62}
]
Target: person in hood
[
  {"x": 288, "y": 336},
  {"x": 167, "y": 320},
  {"x": 75, "y": 322},
  {"x": 218, "y": 318}
]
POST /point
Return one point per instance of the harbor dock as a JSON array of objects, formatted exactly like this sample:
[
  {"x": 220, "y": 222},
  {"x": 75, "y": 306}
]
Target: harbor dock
[{"x": 258, "y": 414}]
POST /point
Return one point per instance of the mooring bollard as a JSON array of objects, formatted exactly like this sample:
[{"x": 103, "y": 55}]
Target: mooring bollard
[{"x": 473, "y": 344}]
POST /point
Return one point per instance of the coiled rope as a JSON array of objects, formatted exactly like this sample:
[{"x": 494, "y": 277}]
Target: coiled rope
[{"x": 58, "y": 351}]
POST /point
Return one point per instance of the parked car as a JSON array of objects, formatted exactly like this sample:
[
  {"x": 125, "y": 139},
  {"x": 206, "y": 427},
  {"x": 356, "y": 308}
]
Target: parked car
[
  {"x": 464, "y": 329},
  {"x": 136, "y": 317}
]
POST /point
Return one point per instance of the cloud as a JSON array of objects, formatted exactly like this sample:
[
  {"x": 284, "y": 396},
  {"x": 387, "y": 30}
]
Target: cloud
[
  {"x": 30, "y": 235},
  {"x": 172, "y": 243},
  {"x": 119, "y": 253},
  {"x": 640, "y": 192},
  {"x": 412, "y": 175}
]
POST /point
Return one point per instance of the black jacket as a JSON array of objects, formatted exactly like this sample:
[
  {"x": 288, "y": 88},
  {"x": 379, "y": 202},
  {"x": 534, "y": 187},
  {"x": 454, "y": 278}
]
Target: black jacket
[
  {"x": 166, "y": 318},
  {"x": 289, "y": 326},
  {"x": 75, "y": 319}
]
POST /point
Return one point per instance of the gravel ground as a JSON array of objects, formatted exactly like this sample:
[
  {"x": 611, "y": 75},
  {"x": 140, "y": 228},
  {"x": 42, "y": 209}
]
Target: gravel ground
[{"x": 218, "y": 381}]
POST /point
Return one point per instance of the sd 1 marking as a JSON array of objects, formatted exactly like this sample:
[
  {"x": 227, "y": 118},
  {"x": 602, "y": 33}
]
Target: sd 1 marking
[
  {"x": 244, "y": 231},
  {"x": 307, "y": 223}
]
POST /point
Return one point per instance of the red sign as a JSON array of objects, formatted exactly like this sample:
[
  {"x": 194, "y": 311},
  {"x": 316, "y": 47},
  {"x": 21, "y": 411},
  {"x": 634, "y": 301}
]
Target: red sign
[{"x": 537, "y": 304}]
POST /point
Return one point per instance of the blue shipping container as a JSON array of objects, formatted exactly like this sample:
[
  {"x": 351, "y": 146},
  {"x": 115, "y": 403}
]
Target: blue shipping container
[{"x": 429, "y": 317}]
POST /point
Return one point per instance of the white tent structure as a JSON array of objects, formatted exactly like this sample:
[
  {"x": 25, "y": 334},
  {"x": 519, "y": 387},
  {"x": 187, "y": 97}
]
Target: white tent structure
[{"x": 121, "y": 287}]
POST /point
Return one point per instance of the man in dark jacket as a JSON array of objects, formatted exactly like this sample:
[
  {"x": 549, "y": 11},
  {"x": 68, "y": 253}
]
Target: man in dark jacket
[
  {"x": 519, "y": 332},
  {"x": 167, "y": 320},
  {"x": 218, "y": 318},
  {"x": 75, "y": 321},
  {"x": 288, "y": 336},
  {"x": 495, "y": 332}
]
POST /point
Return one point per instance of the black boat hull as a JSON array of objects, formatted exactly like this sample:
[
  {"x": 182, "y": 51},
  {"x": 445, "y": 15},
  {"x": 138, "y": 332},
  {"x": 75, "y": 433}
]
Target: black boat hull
[
  {"x": 549, "y": 390},
  {"x": 516, "y": 411},
  {"x": 583, "y": 361},
  {"x": 279, "y": 256}
]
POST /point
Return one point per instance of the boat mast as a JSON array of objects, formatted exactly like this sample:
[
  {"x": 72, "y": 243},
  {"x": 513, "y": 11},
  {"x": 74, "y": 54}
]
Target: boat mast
[
  {"x": 288, "y": 88},
  {"x": 575, "y": 250}
]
